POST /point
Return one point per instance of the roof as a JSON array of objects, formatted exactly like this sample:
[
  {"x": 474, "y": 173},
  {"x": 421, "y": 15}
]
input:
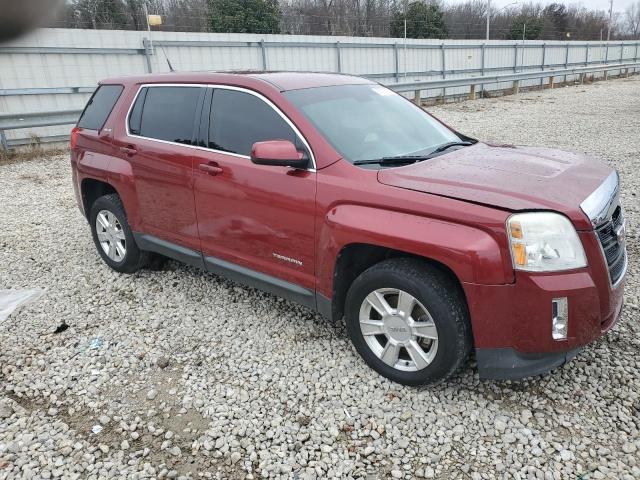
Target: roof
[{"x": 283, "y": 81}]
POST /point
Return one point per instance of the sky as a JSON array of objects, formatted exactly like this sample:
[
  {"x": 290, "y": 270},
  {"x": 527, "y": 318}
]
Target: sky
[{"x": 618, "y": 5}]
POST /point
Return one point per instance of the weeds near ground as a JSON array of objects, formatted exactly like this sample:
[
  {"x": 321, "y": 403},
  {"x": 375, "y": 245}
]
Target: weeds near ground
[{"x": 31, "y": 152}]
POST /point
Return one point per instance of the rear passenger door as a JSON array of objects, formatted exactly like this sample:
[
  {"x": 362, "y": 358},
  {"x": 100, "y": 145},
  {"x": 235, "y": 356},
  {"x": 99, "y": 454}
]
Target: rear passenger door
[
  {"x": 255, "y": 221},
  {"x": 159, "y": 146}
]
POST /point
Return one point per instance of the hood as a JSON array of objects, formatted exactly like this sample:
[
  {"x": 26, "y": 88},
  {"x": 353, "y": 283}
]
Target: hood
[{"x": 507, "y": 177}]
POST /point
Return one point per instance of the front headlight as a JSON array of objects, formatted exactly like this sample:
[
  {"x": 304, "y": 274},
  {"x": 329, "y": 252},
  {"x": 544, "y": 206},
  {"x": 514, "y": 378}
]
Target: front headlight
[{"x": 544, "y": 242}]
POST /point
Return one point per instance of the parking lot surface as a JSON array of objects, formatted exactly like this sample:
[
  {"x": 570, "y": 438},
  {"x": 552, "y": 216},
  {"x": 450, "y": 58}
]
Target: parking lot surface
[{"x": 175, "y": 373}]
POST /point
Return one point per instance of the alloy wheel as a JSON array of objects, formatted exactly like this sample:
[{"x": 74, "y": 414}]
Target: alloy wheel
[
  {"x": 398, "y": 329},
  {"x": 111, "y": 236}
]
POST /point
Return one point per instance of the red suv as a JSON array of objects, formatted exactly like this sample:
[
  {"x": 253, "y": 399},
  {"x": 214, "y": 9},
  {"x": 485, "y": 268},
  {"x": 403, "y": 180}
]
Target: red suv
[{"x": 335, "y": 192}]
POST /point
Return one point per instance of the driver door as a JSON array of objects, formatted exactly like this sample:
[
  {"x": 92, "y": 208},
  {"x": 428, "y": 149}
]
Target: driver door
[{"x": 256, "y": 222}]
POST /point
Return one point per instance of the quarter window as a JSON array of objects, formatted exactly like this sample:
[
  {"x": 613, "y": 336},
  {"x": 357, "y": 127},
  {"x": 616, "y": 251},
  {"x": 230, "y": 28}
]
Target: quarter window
[
  {"x": 239, "y": 119},
  {"x": 99, "y": 106},
  {"x": 165, "y": 113}
]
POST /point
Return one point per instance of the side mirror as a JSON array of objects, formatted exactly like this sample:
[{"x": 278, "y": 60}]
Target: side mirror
[{"x": 278, "y": 153}]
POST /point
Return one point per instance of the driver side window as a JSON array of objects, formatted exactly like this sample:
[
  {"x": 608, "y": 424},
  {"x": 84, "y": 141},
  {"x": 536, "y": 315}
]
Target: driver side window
[{"x": 239, "y": 119}]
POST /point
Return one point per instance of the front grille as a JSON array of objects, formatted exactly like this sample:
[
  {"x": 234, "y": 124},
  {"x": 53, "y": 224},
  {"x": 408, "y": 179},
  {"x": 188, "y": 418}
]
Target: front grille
[{"x": 613, "y": 245}]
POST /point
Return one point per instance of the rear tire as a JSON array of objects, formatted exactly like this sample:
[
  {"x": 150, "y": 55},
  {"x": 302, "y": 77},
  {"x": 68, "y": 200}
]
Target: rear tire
[
  {"x": 380, "y": 308},
  {"x": 113, "y": 237}
]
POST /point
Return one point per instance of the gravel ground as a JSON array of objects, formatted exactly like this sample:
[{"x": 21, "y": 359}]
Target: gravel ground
[{"x": 195, "y": 377}]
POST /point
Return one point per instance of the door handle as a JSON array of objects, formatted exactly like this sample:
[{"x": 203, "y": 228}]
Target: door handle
[
  {"x": 129, "y": 150},
  {"x": 210, "y": 169}
]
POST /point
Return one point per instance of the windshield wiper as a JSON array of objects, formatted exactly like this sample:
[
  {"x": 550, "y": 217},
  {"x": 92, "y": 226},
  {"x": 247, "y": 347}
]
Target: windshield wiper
[
  {"x": 448, "y": 145},
  {"x": 406, "y": 159},
  {"x": 401, "y": 159}
]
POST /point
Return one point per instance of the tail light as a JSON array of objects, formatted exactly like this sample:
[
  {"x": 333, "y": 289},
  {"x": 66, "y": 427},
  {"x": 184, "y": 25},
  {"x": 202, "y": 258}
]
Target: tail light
[{"x": 74, "y": 137}]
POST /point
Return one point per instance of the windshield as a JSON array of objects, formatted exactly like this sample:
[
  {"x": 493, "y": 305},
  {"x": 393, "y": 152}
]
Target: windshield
[{"x": 364, "y": 122}]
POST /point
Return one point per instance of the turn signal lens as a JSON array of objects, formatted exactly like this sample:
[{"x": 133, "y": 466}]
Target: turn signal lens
[
  {"x": 519, "y": 254},
  {"x": 516, "y": 229}
]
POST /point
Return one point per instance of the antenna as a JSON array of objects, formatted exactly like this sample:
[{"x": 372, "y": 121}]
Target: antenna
[
  {"x": 156, "y": 20},
  {"x": 171, "y": 69}
]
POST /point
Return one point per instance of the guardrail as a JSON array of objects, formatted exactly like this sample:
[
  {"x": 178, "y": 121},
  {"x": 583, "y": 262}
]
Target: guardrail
[
  {"x": 67, "y": 117},
  {"x": 418, "y": 86},
  {"x": 35, "y": 119}
]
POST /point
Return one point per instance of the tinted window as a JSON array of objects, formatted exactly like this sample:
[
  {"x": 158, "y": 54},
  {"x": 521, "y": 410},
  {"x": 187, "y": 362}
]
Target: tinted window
[
  {"x": 100, "y": 106},
  {"x": 169, "y": 113},
  {"x": 365, "y": 122},
  {"x": 239, "y": 119},
  {"x": 135, "y": 117}
]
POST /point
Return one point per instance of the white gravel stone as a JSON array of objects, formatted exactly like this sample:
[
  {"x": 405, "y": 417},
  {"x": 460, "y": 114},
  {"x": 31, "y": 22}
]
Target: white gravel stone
[{"x": 256, "y": 387}]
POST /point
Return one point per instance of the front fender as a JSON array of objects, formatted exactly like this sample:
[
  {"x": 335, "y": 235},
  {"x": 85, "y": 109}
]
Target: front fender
[{"x": 471, "y": 253}]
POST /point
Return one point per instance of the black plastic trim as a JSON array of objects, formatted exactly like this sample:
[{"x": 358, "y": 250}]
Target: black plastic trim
[
  {"x": 509, "y": 364},
  {"x": 324, "y": 306},
  {"x": 262, "y": 281},
  {"x": 168, "y": 249},
  {"x": 237, "y": 273}
]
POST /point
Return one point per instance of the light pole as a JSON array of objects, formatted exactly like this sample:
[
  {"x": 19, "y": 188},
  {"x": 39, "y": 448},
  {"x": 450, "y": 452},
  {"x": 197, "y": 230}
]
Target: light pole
[
  {"x": 488, "y": 16},
  {"x": 610, "y": 18}
]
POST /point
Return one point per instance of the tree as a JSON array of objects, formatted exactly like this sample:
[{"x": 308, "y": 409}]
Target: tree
[
  {"x": 528, "y": 23},
  {"x": 135, "y": 10},
  {"x": 632, "y": 19},
  {"x": 466, "y": 20},
  {"x": 556, "y": 21},
  {"x": 423, "y": 21},
  {"x": 244, "y": 16},
  {"x": 99, "y": 13},
  {"x": 529, "y": 28}
]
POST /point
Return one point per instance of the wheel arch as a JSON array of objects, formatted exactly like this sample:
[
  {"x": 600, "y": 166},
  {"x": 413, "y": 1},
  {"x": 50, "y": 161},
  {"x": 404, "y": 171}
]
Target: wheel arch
[
  {"x": 91, "y": 189},
  {"x": 355, "y": 258}
]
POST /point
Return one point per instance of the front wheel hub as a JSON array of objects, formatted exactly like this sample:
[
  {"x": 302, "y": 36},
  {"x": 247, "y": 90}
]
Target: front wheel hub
[{"x": 398, "y": 329}]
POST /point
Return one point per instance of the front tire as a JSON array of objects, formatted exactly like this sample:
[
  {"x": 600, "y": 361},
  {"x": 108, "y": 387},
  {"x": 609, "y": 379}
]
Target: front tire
[
  {"x": 113, "y": 237},
  {"x": 409, "y": 321}
]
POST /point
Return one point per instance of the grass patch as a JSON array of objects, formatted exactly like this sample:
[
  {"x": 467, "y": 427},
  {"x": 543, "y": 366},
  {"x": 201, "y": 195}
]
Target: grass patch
[{"x": 31, "y": 152}]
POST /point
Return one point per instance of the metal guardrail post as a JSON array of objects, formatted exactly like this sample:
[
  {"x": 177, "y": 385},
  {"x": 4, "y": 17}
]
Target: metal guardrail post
[
  {"x": 3, "y": 141},
  {"x": 544, "y": 61},
  {"x": 147, "y": 55},
  {"x": 395, "y": 56},
  {"x": 586, "y": 56},
  {"x": 566, "y": 61},
  {"x": 515, "y": 58},
  {"x": 263, "y": 50},
  {"x": 621, "y": 52},
  {"x": 444, "y": 69},
  {"x": 482, "y": 67},
  {"x": 339, "y": 57}
]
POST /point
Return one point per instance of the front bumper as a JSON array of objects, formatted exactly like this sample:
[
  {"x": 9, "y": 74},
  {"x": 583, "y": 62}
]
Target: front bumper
[
  {"x": 512, "y": 325},
  {"x": 507, "y": 363}
]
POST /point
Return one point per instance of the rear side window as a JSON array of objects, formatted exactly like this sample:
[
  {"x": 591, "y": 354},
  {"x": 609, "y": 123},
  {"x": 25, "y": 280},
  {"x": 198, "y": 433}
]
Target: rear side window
[
  {"x": 239, "y": 119},
  {"x": 99, "y": 107},
  {"x": 165, "y": 113}
]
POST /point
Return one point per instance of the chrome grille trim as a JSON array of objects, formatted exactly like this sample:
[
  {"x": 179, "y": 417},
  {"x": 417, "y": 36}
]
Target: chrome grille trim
[
  {"x": 600, "y": 205},
  {"x": 611, "y": 237}
]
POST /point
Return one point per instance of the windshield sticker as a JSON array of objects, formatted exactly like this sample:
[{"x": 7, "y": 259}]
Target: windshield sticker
[{"x": 382, "y": 91}]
